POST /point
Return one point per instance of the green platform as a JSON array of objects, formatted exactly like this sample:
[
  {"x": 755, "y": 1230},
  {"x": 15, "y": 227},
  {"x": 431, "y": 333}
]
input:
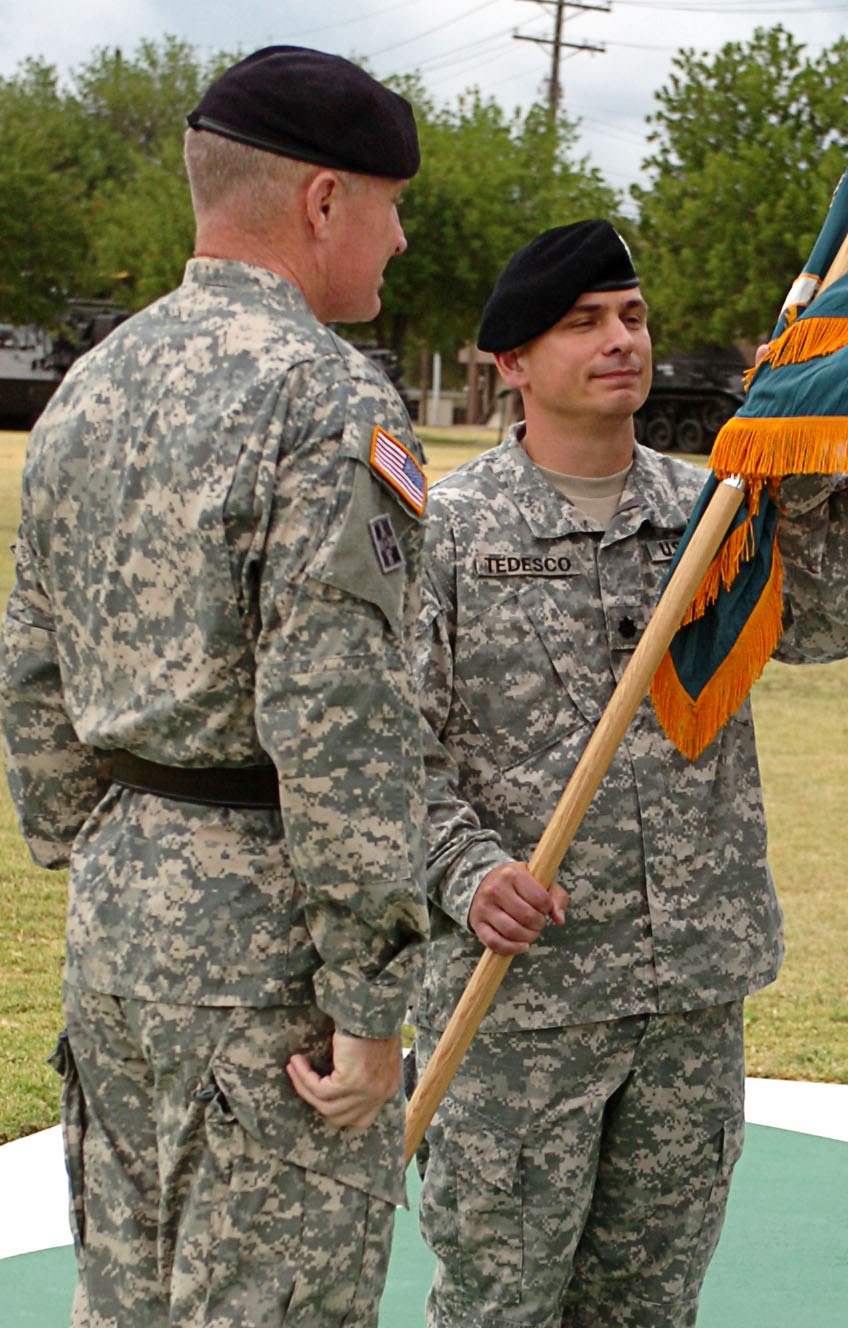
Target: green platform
[{"x": 782, "y": 1261}]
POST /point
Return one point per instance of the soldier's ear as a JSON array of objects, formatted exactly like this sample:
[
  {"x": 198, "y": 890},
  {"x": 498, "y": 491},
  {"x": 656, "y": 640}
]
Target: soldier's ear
[
  {"x": 511, "y": 367},
  {"x": 322, "y": 197}
]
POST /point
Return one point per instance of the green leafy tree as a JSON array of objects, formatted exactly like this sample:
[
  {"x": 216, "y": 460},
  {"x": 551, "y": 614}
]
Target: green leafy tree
[
  {"x": 44, "y": 210},
  {"x": 98, "y": 204},
  {"x": 489, "y": 182},
  {"x": 142, "y": 100},
  {"x": 748, "y": 145},
  {"x": 102, "y": 206},
  {"x": 141, "y": 228}
]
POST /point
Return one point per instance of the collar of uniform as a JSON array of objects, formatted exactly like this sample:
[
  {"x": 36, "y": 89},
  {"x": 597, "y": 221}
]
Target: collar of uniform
[
  {"x": 242, "y": 276},
  {"x": 545, "y": 510},
  {"x": 650, "y": 494}
]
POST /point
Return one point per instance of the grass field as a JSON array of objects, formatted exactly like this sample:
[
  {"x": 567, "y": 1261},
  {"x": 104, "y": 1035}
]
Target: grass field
[{"x": 796, "y": 1029}]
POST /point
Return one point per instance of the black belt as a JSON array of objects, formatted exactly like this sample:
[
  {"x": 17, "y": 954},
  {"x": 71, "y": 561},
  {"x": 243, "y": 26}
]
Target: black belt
[{"x": 214, "y": 786}]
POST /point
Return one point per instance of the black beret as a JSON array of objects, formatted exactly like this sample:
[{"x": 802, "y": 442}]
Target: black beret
[
  {"x": 544, "y": 279},
  {"x": 313, "y": 107}
]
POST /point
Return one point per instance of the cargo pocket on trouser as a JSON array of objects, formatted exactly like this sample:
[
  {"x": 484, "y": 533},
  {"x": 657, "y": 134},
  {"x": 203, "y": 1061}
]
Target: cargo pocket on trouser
[
  {"x": 642, "y": 1261},
  {"x": 471, "y": 1217},
  {"x": 73, "y": 1134},
  {"x": 263, "y": 1239},
  {"x": 729, "y": 1148}
]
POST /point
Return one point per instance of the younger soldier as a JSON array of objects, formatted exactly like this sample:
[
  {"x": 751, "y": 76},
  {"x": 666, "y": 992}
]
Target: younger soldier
[{"x": 580, "y": 1163}]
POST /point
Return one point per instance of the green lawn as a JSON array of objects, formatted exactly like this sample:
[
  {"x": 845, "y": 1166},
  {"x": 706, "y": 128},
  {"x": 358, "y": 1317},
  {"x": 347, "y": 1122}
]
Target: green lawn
[{"x": 797, "y": 1029}]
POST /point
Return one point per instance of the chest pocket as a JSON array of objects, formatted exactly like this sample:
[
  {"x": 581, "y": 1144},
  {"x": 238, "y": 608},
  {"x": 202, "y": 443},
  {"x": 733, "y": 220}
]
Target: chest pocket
[
  {"x": 518, "y": 671},
  {"x": 574, "y": 633},
  {"x": 539, "y": 663}
]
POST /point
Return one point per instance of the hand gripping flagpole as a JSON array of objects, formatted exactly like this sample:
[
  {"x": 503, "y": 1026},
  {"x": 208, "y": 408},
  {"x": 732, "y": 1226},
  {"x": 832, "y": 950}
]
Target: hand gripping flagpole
[{"x": 587, "y": 777}]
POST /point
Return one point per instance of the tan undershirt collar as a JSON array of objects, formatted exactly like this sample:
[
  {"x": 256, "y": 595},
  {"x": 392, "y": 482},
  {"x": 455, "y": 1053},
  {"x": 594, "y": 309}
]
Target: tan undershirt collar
[{"x": 596, "y": 495}]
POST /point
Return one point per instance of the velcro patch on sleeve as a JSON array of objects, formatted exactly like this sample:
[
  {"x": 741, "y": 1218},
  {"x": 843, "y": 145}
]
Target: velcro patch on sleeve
[{"x": 399, "y": 469}]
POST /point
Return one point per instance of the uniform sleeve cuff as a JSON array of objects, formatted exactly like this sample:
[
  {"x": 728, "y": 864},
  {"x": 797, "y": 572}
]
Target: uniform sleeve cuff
[
  {"x": 461, "y": 883},
  {"x": 370, "y": 1007},
  {"x": 799, "y": 494}
]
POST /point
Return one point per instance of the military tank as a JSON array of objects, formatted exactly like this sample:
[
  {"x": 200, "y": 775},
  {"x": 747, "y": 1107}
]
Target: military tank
[
  {"x": 26, "y": 385},
  {"x": 690, "y": 399},
  {"x": 33, "y": 363}
]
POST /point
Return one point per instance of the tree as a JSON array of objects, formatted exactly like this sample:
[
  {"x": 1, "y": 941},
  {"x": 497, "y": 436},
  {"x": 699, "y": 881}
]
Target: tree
[
  {"x": 488, "y": 183},
  {"x": 98, "y": 203},
  {"x": 142, "y": 229},
  {"x": 44, "y": 221},
  {"x": 749, "y": 144},
  {"x": 98, "y": 166}
]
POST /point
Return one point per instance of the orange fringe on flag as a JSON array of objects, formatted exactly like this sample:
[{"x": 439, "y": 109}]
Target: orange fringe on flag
[
  {"x": 763, "y": 449},
  {"x": 807, "y": 339},
  {"x": 737, "y": 548},
  {"x": 691, "y": 724}
]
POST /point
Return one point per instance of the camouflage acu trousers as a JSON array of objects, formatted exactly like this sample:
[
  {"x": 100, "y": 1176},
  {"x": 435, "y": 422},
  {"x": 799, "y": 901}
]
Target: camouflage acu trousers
[
  {"x": 578, "y": 1177},
  {"x": 183, "y": 1216}
]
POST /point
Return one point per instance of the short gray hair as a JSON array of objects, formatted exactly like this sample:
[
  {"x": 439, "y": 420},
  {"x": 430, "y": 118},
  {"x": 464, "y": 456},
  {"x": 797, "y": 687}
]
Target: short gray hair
[{"x": 219, "y": 169}]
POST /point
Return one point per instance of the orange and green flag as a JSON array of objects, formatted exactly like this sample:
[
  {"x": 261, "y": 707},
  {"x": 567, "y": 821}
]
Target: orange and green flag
[{"x": 793, "y": 421}]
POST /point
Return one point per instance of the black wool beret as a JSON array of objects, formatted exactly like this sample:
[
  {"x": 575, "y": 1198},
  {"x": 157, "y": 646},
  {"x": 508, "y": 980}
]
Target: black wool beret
[
  {"x": 313, "y": 107},
  {"x": 544, "y": 279}
]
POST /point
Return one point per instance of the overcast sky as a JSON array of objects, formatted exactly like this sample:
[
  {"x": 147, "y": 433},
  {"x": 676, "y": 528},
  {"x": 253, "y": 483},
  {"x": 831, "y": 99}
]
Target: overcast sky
[{"x": 454, "y": 44}]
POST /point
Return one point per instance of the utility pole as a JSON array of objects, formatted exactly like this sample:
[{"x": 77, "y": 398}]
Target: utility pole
[{"x": 557, "y": 44}]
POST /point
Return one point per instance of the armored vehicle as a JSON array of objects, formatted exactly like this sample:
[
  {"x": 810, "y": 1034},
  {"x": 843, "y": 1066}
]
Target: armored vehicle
[
  {"x": 690, "y": 399},
  {"x": 25, "y": 384},
  {"x": 33, "y": 364}
]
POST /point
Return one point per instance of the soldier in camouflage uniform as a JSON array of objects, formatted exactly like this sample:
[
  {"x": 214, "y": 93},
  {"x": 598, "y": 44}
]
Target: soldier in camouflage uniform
[
  {"x": 580, "y": 1162},
  {"x": 210, "y": 713}
]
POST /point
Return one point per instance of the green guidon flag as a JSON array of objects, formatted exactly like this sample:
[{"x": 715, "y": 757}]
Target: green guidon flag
[{"x": 794, "y": 421}]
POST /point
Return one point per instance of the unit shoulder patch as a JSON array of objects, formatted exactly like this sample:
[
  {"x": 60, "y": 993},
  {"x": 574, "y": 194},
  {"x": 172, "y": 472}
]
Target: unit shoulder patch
[
  {"x": 399, "y": 468},
  {"x": 385, "y": 543}
]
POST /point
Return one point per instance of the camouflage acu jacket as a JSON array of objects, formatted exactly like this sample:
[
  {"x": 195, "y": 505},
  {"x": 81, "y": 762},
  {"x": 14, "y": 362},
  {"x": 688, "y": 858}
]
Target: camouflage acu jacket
[
  {"x": 530, "y": 616},
  {"x": 217, "y": 565}
]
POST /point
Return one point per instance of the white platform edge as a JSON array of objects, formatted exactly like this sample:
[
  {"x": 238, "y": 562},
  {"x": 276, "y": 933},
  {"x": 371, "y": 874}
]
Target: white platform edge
[{"x": 34, "y": 1194}]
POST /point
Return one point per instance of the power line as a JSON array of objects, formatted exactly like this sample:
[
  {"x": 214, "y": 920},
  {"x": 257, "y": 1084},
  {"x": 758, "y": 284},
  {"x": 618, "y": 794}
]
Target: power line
[
  {"x": 557, "y": 43},
  {"x": 742, "y": 7},
  {"x": 357, "y": 18},
  {"x": 428, "y": 32}
]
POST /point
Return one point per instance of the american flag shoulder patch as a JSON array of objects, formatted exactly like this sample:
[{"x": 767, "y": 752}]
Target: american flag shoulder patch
[{"x": 399, "y": 469}]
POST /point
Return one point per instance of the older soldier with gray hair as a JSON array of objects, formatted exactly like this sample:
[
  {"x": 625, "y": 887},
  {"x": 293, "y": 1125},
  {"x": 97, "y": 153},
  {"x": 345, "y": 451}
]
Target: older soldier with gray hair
[
  {"x": 580, "y": 1163},
  {"x": 209, "y": 713}
]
